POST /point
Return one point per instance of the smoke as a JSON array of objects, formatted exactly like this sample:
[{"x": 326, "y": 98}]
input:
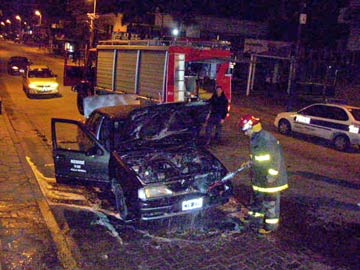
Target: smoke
[{"x": 93, "y": 102}]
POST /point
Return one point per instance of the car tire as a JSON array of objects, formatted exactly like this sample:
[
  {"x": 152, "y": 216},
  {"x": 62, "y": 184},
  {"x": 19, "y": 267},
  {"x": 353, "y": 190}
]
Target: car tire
[
  {"x": 120, "y": 203},
  {"x": 341, "y": 142},
  {"x": 284, "y": 127}
]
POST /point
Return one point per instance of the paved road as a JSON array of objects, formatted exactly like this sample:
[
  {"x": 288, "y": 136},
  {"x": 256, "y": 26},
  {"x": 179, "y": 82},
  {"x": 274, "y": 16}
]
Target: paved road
[{"x": 320, "y": 217}]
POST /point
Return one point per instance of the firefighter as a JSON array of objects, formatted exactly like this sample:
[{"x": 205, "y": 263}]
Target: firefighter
[
  {"x": 269, "y": 176},
  {"x": 216, "y": 117}
]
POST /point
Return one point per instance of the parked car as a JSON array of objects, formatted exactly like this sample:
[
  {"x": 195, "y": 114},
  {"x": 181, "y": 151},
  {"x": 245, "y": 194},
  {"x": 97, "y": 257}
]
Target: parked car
[
  {"x": 337, "y": 123},
  {"x": 17, "y": 65},
  {"x": 147, "y": 156},
  {"x": 40, "y": 80}
]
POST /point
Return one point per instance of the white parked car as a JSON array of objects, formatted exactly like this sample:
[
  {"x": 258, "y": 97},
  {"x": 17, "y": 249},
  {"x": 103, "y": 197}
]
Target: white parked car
[
  {"x": 40, "y": 80},
  {"x": 337, "y": 123}
]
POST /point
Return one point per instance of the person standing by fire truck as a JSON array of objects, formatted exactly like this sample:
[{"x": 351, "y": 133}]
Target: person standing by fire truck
[
  {"x": 216, "y": 117},
  {"x": 269, "y": 176}
]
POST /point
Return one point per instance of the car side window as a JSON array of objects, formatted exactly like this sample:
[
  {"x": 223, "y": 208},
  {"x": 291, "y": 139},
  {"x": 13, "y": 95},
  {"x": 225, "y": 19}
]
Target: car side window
[
  {"x": 119, "y": 129},
  {"x": 94, "y": 122},
  {"x": 106, "y": 133},
  {"x": 315, "y": 110},
  {"x": 336, "y": 113},
  {"x": 70, "y": 136}
]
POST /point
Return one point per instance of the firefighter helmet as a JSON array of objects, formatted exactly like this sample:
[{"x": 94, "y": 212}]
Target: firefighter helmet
[{"x": 248, "y": 122}]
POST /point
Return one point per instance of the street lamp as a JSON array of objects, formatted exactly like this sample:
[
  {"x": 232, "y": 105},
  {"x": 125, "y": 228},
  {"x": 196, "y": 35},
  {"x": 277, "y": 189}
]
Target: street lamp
[
  {"x": 38, "y": 13},
  {"x": 92, "y": 17},
  {"x": 17, "y": 17},
  {"x": 295, "y": 58},
  {"x": 175, "y": 32}
]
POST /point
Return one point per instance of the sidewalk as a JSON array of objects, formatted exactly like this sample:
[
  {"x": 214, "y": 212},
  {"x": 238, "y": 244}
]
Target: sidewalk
[{"x": 25, "y": 242}]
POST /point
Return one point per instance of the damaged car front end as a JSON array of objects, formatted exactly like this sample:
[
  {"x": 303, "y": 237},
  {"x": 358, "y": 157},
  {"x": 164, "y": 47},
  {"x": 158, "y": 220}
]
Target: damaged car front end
[
  {"x": 161, "y": 169},
  {"x": 173, "y": 181}
]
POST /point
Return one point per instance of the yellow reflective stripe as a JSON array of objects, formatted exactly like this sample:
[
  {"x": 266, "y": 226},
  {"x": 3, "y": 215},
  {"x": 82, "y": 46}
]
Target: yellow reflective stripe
[
  {"x": 255, "y": 214},
  {"x": 273, "y": 172},
  {"x": 272, "y": 220},
  {"x": 270, "y": 190},
  {"x": 262, "y": 157}
]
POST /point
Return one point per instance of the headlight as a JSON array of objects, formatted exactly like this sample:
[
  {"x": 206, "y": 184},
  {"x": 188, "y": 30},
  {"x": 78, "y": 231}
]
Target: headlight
[
  {"x": 14, "y": 67},
  {"x": 32, "y": 85},
  {"x": 153, "y": 191}
]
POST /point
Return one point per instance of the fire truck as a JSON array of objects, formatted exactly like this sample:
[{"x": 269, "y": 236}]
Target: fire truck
[{"x": 154, "y": 70}]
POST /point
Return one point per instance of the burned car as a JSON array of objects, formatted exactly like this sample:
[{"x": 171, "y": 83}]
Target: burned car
[{"x": 148, "y": 156}]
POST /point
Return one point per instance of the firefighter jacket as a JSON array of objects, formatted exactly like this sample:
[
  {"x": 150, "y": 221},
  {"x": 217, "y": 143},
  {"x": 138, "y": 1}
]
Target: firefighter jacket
[
  {"x": 268, "y": 164},
  {"x": 218, "y": 106}
]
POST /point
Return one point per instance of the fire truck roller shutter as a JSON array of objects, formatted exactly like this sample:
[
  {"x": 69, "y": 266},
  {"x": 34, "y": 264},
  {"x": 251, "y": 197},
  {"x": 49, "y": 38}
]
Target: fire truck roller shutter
[
  {"x": 151, "y": 74},
  {"x": 125, "y": 80},
  {"x": 104, "y": 74}
]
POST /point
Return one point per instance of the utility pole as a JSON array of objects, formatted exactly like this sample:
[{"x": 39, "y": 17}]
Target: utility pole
[
  {"x": 295, "y": 58},
  {"x": 92, "y": 17}
]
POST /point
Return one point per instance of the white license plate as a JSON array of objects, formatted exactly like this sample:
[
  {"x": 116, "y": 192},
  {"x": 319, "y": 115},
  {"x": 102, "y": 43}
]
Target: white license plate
[{"x": 192, "y": 204}]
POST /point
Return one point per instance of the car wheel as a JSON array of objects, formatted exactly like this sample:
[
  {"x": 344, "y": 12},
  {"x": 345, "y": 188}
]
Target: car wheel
[
  {"x": 341, "y": 142},
  {"x": 119, "y": 199},
  {"x": 284, "y": 127}
]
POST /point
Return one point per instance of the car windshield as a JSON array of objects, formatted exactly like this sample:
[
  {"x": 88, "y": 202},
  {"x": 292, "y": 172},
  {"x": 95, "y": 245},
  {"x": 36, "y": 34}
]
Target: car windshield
[
  {"x": 18, "y": 59},
  {"x": 355, "y": 113},
  {"x": 40, "y": 73}
]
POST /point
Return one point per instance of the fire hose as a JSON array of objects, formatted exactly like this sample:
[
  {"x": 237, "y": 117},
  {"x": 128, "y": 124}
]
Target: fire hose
[{"x": 230, "y": 176}]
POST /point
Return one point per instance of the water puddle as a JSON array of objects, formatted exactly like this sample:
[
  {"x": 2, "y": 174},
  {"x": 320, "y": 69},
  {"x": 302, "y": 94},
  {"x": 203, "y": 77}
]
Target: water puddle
[{"x": 198, "y": 227}]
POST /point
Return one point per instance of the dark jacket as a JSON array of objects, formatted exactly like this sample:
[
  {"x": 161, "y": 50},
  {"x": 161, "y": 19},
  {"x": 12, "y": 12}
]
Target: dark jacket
[
  {"x": 218, "y": 106},
  {"x": 268, "y": 163}
]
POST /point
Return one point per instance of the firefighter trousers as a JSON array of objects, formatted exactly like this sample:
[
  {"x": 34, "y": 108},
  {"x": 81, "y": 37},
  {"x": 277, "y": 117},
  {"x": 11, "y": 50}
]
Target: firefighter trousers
[{"x": 266, "y": 206}]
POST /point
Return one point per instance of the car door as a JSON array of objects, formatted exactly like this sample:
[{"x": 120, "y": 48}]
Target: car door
[
  {"x": 333, "y": 120},
  {"x": 78, "y": 156},
  {"x": 304, "y": 120}
]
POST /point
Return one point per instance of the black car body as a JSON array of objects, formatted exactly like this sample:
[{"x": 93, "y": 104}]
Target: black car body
[
  {"x": 17, "y": 65},
  {"x": 147, "y": 155}
]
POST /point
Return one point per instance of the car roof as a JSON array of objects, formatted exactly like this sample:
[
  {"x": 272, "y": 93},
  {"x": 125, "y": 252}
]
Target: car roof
[
  {"x": 18, "y": 58},
  {"x": 34, "y": 67},
  {"x": 117, "y": 112},
  {"x": 337, "y": 105}
]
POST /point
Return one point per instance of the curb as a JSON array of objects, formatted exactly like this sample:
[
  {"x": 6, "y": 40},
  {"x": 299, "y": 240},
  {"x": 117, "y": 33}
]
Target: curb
[{"x": 64, "y": 253}]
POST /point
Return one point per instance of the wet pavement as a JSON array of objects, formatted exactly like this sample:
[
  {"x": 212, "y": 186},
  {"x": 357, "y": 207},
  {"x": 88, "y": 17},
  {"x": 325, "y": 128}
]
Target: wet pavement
[{"x": 304, "y": 241}]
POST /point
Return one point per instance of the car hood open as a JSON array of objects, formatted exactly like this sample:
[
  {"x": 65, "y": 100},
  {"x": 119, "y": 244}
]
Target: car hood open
[{"x": 171, "y": 120}]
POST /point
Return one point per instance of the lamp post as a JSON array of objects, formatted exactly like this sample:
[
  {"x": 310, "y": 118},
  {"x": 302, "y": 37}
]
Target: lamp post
[
  {"x": 175, "y": 34},
  {"x": 17, "y": 17},
  {"x": 295, "y": 58},
  {"x": 92, "y": 17},
  {"x": 38, "y": 13}
]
